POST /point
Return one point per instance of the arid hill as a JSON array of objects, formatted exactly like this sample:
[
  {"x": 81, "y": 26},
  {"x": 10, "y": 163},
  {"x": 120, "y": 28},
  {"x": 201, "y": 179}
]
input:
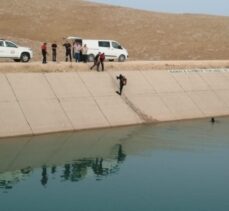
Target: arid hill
[{"x": 147, "y": 35}]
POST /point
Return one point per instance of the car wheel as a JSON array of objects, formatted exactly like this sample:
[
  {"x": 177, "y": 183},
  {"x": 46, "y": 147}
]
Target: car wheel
[
  {"x": 25, "y": 57},
  {"x": 121, "y": 58},
  {"x": 17, "y": 60},
  {"x": 91, "y": 58}
]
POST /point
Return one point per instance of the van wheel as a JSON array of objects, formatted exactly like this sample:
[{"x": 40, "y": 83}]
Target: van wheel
[
  {"x": 17, "y": 60},
  {"x": 25, "y": 57},
  {"x": 121, "y": 58},
  {"x": 91, "y": 58}
]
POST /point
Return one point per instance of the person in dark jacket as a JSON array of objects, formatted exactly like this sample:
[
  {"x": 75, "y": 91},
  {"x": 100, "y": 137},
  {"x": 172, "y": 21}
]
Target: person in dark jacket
[
  {"x": 122, "y": 82},
  {"x": 44, "y": 52},
  {"x": 54, "y": 47},
  {"x": 96, "y": 61},
  {"x": 68, "y": 52}
]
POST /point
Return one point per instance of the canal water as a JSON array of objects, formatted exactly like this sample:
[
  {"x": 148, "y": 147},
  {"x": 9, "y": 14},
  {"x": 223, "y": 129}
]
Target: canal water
[{"x": 177, "y": 166}]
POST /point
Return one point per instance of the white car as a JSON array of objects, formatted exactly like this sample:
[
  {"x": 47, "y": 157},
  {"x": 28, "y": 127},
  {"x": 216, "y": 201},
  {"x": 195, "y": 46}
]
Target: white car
[
  {"x": 10, "y": 50},
  {"x": 112, "y": 49}
]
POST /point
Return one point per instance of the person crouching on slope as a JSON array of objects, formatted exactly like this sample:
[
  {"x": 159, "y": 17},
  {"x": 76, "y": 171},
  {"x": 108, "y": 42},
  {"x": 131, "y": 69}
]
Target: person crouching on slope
[{"x": 96, "y": 61}]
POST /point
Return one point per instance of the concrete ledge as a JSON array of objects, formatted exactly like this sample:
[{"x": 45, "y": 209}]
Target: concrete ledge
[
  {"x": 36, "y": 103},
  {"x": 36, "y": 67}
]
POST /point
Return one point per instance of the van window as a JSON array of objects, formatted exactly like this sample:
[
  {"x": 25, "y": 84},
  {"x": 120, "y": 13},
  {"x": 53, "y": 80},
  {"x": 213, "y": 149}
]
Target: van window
[
  {"x": 1, "y": 44},
  {"x": 104, "y": 44},
  {"x": 10, "y": 44},
  {"x": 116, "y": 45}
]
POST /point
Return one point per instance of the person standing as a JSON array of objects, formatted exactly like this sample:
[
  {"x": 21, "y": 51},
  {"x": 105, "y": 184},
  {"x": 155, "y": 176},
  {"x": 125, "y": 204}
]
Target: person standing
[
  {"x": 84, "y": 53},
  {"x": 54, "y": 47},
  {"x": 96, "y": 61},
  {"x": 101, "y": 61},
  {"x": 68, "y": 53},
  {"x": 44, "y": 52},
  {"x": 122, "y": 82},
  {"x": 77, "y": 48}
]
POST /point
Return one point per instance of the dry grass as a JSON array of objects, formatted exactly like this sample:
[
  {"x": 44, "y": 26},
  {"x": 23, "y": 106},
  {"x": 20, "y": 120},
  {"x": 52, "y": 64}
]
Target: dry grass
[
  {"x": 147, "y": 35},
  {"x": 9, "y": 67}
]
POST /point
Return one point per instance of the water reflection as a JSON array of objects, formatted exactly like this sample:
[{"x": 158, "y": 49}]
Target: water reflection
[
  {"x": 44, "y": 178},
  {"x": 73, "y": 171},
  {"x": 67, "y": 156},
  {"x": 72, "y": 157},
  {"x": 9, "y": 179}
]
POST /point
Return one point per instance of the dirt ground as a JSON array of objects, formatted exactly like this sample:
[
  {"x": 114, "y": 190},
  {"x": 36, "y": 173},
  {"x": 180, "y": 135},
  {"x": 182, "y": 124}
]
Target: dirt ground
[
  {"x": 146, "y": 35},
  {"x": 11, "y": 67}
]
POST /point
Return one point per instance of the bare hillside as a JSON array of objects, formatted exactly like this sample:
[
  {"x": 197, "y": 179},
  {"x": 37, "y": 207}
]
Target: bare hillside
[{"x": 147, "y": 35}]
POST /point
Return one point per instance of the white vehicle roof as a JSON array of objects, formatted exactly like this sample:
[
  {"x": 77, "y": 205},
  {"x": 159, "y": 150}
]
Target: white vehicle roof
[
  {"x": 101, "y": 40},
  {"x": 7, "y": 40},
  {"x": 79, "y": 38},
  {"x": 74, "y": 38}
]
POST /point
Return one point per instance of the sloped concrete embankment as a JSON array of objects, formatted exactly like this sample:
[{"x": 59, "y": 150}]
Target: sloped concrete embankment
[{"x": 35, "y": 103}]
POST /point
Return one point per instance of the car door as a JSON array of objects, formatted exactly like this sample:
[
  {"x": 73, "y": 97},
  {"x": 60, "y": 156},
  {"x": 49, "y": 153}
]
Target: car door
[
  {"x": 105, "y": 47},
  {"x": 2, "y": 49},
  {"x": 10, "y": 50},
  {"x": 116, "y": 49}
]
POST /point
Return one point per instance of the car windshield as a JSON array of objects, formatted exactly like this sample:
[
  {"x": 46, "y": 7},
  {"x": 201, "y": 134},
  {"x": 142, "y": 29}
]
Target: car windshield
[{"x": 116, "y": 45}]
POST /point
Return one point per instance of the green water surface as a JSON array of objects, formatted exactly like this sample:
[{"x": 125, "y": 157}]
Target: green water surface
[{"x": 178, "y": 166}]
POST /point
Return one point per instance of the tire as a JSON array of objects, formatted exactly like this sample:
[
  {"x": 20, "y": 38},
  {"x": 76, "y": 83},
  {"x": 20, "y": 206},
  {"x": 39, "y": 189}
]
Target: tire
[
  {"x": 121, "y": 58},
  {"x": 17, "y": 60},
  {"x": 25, "y": 57},
  {"x": 91, "y": 58}
]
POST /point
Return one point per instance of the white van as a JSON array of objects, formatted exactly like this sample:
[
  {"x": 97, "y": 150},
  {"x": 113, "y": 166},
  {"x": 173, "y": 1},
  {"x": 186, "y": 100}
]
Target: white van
[{"x": 112, "y": 49}]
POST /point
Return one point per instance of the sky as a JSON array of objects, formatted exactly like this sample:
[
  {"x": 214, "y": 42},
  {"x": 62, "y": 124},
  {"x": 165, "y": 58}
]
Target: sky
[{"x": 211, "y": 7}]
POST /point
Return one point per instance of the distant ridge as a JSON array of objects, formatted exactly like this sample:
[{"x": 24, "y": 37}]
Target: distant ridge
[{"x": 147, "y": 35}]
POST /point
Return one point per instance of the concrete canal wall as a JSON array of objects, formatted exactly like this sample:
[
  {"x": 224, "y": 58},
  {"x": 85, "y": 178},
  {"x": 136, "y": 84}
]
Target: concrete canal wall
[{"x": 35, "y": 103}]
